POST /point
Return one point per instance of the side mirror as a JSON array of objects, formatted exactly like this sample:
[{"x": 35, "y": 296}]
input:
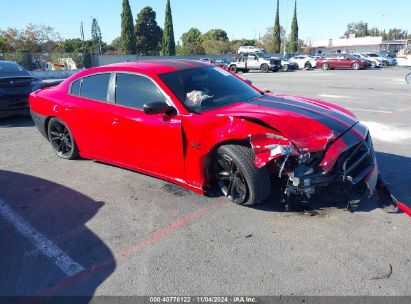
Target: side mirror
[
  {"x": 159, "y": 107},
  {"x": 248, "y": 81}
]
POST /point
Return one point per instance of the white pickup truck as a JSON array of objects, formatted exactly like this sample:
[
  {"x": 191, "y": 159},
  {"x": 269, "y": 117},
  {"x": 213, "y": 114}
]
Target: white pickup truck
[{"x": 255, "y": 62}]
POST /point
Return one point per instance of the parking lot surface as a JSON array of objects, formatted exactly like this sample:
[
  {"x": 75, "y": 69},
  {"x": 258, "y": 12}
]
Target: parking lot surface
[{"x": 86, "y": 228}]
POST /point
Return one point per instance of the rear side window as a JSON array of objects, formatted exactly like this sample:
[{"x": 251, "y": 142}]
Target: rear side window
[
  {"x": 75, "y": 88},
  {"x": 95, "y": 87},
  {"x": 134, "y": 91}
]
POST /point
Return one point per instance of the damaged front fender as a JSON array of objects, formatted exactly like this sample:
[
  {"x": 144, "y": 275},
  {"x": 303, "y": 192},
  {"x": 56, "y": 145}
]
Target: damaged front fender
[{"x": 270, "y": 146}]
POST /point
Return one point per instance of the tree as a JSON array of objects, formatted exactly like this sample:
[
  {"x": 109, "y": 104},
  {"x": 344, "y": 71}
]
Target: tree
[
  {"x": 191, "y": 43},
  {"x": 168, "y": 44},
  {"x": 216, "y": 35},
  {"x": 366, "y": 30},
  {"x": 294, "y": 31},
  {"x": 277, "y": 31},
  {"x": 148, "y": 34},
  {"x": 128, "y": 38},
  {"x": 96, "y": 36},
  {"x": 358, "y": 28}
]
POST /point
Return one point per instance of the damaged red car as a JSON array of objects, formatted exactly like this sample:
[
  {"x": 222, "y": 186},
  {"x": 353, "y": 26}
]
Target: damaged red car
[{"x": 199, "y": 126}]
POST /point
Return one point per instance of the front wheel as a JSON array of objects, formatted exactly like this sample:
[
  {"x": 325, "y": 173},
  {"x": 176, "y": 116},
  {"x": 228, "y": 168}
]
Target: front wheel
[
  {"x": 265, "y": 68},
  {"x": 373, "y": 65},
  {"x": 285, "y": 68},
  {"x": 237, "y": 176},
  {"x": 61, "y": 139},
  {"x": 233, "y": 69}
]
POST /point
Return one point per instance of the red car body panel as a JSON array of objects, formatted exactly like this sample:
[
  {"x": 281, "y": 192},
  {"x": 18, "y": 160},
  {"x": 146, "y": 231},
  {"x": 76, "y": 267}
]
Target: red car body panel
[
  {"x": 340, "y": 63},
  {"x": 178, "y": 148}
]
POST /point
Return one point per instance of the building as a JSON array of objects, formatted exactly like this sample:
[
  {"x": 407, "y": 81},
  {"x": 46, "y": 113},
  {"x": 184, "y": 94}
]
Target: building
[{"x": 353, "y": 44}]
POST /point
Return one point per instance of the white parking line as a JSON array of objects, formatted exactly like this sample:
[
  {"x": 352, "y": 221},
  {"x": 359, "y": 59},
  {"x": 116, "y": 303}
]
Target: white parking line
[
  {"x": 333, "y": 96},
  {"x": 45, "y": 246},
  {"x": 368, "y": 110},
  {"x": 387, "y": 133}
]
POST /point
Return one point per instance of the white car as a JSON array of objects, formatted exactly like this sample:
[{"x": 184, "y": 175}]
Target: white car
[
  {"x": 375, "y": 62},
  {"x": 304, "y": 61},
  {"x": 249, "y": 49}
]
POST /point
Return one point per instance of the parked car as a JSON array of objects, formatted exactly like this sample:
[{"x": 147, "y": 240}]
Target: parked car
[
  {"x": 254, "y": 62},
  {"x": 286, "y": 65},
  {"x": 342, "y": 61},
  {"x": 152, "y": 117},
  {"x": 15, "y": 86},
  {"x": 304, "y": 61},
  {"x": 384, "y": 61},
  {"x": 390, "y": 60},
  {"x": 223, "y": 63},
  {"x": 372, "y": 62},
  {"x": 249, "y": 49}
]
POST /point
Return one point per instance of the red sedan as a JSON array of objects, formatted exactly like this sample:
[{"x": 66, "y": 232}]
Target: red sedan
[
  {"x": 341, "y": 62},
  {"x": 199, "y": 126}
]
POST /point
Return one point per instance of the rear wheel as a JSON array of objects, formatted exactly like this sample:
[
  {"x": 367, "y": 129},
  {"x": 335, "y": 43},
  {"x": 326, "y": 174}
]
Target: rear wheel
[
  {"x": 356, "y": 66},
  {"x": 237, "y": 176},
  {"x": 61, "y": 139},
  {"x": 285, "y": 68},
  {"x": 373, "y": 65},
  {"x": 308, "y": 65},
  {"x": 233, "y": 69},
  {"x": 325, "y": 66},
  {"x": 265, "y": 68}
]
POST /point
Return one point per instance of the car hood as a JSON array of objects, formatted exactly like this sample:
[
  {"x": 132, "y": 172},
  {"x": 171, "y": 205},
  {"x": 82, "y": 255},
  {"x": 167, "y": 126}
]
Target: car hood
[{"x": 309, "y": 124}]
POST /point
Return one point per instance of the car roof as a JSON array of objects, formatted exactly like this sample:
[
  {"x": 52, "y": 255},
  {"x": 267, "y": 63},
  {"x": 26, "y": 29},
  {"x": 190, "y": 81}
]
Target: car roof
[{"x": 152, "y": 66}]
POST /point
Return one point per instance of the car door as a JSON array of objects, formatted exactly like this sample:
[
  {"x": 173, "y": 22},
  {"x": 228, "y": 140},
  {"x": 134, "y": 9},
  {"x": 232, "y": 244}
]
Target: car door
[
  {"x": 87, "y": 113},
  {"x": 252, "y": 62},
  {"x": 152, "y": 143}
]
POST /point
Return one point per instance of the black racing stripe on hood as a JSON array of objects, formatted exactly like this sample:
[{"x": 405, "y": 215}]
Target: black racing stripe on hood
[
  {"x": 333, "y": 113},
  {"x": 335, "y": 125}
]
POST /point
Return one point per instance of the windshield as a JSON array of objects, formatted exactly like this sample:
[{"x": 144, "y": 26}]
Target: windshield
[{"x": 206, "y": 88}]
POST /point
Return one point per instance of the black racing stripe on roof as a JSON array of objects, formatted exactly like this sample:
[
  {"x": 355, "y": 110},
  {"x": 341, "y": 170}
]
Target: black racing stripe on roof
[{"x": 177, "y": 64}]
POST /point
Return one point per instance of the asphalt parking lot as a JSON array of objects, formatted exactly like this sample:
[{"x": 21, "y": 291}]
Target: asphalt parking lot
[{"x": 86, "y": 228}]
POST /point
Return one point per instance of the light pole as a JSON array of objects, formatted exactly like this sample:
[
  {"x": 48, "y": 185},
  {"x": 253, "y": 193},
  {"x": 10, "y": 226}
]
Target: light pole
[{"x": 286, "y": 26}]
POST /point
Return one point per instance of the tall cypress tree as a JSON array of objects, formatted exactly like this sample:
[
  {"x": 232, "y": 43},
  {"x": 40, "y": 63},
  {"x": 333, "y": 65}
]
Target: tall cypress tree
[
  {"x": 128, "y": 37},
  {"x": 294, "y": 31},
  {"x": 277, "y": 31},
  {"x": 168, "y": 45}
]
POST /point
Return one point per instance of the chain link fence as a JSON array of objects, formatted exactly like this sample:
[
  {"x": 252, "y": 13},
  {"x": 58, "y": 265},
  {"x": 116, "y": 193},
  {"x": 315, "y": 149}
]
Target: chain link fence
[{"x": 49, "y": 61}]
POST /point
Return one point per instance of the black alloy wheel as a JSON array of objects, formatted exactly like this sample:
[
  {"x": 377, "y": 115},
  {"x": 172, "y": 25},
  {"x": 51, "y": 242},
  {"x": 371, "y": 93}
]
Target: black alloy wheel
[
  {"x": 231, "y": 180},
  {"x": 61, "y": 139}
]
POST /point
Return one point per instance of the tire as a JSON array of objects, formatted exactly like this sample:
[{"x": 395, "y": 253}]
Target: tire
[
  {"x": 356, "y": 66},
  {"x": 285, "y": 68},
  {"x": 325, "y": 66},
  {"x": 234, "y": 165},
  {"x": 373, "y": 65},
  {"x": 265, "y": 68},
  {"x": 308, "y": 65},
  {"x": 233, "y": 69},
  {"x": 61, "y": 139}
]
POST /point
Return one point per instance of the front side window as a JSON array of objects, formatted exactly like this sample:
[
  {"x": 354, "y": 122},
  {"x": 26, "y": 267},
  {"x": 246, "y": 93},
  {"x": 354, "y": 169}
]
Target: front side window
[
  {"x": 134, "y": 91},
  {"x": 95, "y": 87}
]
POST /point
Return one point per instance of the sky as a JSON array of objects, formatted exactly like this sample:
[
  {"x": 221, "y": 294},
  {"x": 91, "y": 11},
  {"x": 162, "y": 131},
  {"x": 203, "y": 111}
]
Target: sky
[{"x": 318, "y": 19}]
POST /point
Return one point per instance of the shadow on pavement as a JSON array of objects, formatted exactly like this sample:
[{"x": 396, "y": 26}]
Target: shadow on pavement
[
  {"x": 60, "y": 214},
  {"x": 16, "y": 122},
  {"x": 395, "y": 170}
]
